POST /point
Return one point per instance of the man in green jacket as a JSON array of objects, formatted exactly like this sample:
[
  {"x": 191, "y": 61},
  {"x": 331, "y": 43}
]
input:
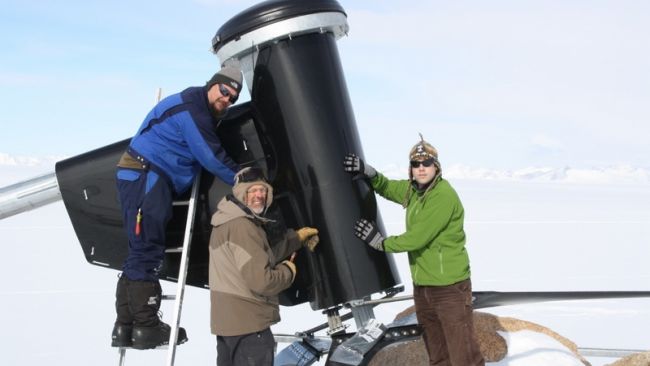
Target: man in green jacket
[{"x": 435, "y": 242}]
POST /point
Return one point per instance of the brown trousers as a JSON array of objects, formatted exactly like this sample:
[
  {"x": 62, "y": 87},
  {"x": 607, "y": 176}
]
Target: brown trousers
[{"x": 445, "y": 314}]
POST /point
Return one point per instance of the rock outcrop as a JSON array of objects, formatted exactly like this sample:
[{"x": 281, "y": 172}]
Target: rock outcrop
[
  {"x": 637, "y": 359},
  {"x": 493, "y": 346}
]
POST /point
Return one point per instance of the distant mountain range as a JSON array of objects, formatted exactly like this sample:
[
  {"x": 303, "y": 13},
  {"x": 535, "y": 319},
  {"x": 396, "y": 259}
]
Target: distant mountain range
[
  {"x": 616, "y": 174},
  {"x": 30, "y": 161}
]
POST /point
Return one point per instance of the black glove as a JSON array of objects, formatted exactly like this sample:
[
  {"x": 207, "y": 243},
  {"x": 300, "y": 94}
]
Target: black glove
[
  {"x": 353, "y": 164},
  {"x": 367, "y": 231}
]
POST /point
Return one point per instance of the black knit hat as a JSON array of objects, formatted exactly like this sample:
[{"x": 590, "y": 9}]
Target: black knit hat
[{"x": 228, "y": 75}]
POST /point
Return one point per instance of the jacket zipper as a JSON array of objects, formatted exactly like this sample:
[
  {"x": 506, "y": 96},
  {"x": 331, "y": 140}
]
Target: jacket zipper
[{"x": 442, "y": 268}]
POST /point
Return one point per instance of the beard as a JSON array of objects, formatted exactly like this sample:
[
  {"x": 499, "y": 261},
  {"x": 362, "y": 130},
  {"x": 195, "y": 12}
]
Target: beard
[
  {"x": 217, "y": 108},
  {"x": 257, "y": 209}
]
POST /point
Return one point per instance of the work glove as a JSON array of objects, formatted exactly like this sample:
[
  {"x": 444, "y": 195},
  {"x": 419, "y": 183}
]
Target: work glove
[
  {"x": 308, "y": 236},
  {"x": 292, "y": 266},
  {"x": 367, "y": 231},
  {"x": 355, "y": 165}
]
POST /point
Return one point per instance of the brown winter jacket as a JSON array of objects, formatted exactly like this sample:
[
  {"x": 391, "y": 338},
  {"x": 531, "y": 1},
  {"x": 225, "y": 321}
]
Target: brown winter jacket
[{"x": 245, "y": 274}]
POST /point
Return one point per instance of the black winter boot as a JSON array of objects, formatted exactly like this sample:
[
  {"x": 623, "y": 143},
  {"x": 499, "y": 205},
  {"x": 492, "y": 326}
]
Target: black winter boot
[
  {"x": 152, "y": 337},
  {"x": 148, "y": 330},
  {"x": 121, "y": 336}
]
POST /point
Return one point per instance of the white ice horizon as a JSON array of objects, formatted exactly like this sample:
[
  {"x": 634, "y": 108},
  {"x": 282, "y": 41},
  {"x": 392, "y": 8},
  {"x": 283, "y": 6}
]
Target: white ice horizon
[{"x": 612, "y": 174}]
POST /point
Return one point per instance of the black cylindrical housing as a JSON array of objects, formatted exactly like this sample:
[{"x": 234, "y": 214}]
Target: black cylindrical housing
[
  {"x": 300, "y": 91},
  {"x": 287, "y": 50}
]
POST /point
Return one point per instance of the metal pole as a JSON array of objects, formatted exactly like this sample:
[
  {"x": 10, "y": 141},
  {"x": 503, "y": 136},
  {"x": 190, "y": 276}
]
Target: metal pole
[
  {"x": 608, "y": 352},
  {"x": 182, "y": 271},
  {"x": 28, "y": 195},
  {"x": 362, "y": 312},
  {"x": 122, "y": 355}
]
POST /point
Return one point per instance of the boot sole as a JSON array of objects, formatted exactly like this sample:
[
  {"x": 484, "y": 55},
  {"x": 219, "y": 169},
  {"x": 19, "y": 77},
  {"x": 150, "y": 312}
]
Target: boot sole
[
  {"x": 147, "y": 346},
  {"x": 121, "y": 345},
  {"x": 144, "y": 346}
]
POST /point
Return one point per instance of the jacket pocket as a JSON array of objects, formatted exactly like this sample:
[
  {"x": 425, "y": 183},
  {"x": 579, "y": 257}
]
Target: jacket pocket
[
  {"x": 128, "y": 175},
  {"x": 152, "y": 178}
]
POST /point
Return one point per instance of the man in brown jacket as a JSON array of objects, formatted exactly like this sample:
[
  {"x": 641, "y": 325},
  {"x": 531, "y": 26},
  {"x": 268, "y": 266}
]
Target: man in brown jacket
[{"x": 246, "y": 274}]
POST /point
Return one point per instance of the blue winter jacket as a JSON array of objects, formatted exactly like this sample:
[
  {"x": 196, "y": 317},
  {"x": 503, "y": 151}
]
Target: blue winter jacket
[{"x": 178, "y": 137}]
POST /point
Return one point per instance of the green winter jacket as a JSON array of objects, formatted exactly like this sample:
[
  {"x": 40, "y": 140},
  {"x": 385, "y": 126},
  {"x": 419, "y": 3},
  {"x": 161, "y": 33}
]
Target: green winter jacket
[{"x": 434, "y": 237}]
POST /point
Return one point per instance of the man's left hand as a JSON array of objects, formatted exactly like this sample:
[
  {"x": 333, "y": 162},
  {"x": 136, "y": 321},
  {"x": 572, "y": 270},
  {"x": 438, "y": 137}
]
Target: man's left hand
[
  {"x": 308, "y": 236},
  {"x": 367, "y": 231}
]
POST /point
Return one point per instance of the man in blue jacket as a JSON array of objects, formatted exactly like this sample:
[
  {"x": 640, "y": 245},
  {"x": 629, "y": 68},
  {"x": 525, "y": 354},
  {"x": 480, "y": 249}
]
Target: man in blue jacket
[{"x": 175, "y": 140}]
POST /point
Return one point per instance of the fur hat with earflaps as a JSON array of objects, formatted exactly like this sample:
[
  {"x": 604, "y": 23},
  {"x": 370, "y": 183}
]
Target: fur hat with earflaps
[
  {"x": 248, "y": 177},
  {"x": 422, "y": 151}
]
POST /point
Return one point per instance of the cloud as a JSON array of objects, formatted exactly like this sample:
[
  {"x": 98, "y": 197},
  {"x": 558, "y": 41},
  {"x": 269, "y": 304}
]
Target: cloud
[
  {"x": 29, "y": 161},
  {"x": 614, "y": 174},
  {"x": 618, "y": 174},
  {"x": 18, "y": 79},
  {"x": 510, "y": 66},
  {"x": 546, "y": 142},
  {"x": 621, "y": 174},
  {"x": 219, "y": 3}
]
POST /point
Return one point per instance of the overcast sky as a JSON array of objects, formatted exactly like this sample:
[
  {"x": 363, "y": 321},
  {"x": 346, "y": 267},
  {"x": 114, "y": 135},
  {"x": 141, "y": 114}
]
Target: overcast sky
[{"x": 494, "y": 85}]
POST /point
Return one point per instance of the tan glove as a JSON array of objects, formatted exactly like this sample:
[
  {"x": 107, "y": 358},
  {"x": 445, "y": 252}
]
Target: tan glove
[
  {"x": 308, "y": 236},
  {"x": 292, "y": 267}
]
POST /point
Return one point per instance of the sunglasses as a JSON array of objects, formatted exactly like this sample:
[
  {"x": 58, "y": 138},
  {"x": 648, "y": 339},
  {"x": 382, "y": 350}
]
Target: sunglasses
[
  {"x": 426, "y": 163},
  {"x": 226, "y": 93}
]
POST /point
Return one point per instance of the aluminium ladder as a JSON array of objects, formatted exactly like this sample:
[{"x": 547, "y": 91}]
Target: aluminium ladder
[{"x": 182, "y": 273}]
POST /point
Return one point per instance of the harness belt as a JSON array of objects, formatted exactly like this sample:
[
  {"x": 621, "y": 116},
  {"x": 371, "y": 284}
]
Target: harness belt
[{"x": 131, "y": 159}]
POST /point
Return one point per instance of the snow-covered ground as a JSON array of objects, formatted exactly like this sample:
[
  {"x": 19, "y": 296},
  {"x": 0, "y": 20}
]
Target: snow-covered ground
[
  {"x": 527, "y": 348},
  {"x": 524, "y": 234}
]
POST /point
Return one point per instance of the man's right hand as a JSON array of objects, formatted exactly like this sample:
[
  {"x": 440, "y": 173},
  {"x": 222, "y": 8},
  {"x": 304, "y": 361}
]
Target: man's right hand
[
  {"x": 292, "y": 268},
  {"x": 355, "y": 165},
  {"x": 368, "y": 232}
]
